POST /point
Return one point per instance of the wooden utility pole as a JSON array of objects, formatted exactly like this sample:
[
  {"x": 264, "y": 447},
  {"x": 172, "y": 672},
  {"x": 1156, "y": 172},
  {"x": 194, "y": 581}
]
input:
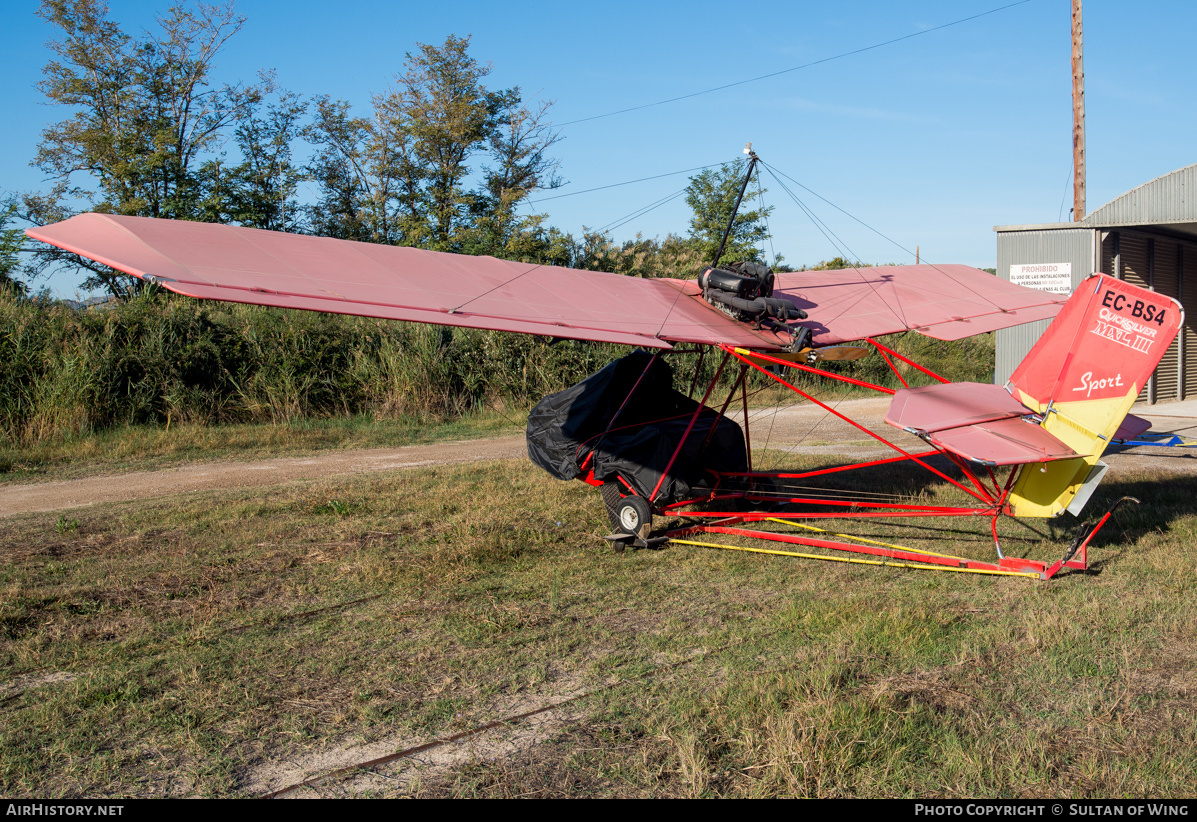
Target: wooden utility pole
[{"x": 1078, "y": 116}]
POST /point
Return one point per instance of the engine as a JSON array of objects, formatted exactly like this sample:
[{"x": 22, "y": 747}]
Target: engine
[{"x": 744, "y": 291}]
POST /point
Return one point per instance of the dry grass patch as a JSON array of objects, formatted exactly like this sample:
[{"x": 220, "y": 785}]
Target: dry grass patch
[{"x": 195, "y": 646}]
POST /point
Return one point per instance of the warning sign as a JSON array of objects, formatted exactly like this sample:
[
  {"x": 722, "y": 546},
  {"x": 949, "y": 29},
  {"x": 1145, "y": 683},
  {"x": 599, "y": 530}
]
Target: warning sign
[{"x": 1053, "y": 277}]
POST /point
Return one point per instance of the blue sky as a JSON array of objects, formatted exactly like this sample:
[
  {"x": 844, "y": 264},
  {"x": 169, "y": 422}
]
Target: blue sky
[{"x": 932, "y": 140}]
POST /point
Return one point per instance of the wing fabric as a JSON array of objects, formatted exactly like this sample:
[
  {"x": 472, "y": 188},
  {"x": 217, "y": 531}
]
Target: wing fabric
[
  {"x": 248, "y": 265},
  {"x": 947, "y": 302},
  {"x": 340, "y": 276}
]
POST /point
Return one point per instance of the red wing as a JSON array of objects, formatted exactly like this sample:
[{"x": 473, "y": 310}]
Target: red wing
[
  {"x": 947, "y": 302},
  {"x": 339, "y": 276}
]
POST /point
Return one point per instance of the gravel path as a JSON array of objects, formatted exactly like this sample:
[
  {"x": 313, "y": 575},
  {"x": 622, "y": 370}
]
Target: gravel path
[{"x": 799, "y": 429}]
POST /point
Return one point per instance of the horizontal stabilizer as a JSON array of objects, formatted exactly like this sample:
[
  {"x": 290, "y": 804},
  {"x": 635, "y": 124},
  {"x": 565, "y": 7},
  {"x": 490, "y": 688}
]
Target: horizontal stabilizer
[
  {"x": 1003, "y": 442},
  {"x": 951, "y": 405},
  {"x": 1131, "y": 428},
  {"x": 979, "y": 422}
]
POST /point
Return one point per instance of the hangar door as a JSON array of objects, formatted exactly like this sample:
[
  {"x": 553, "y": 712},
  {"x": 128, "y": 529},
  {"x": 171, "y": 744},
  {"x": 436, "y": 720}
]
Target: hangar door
[{"x": 1162, "y": 264}]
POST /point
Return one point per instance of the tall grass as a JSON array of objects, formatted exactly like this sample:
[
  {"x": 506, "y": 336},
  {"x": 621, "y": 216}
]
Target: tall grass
[{"x": 165, "y": 360}]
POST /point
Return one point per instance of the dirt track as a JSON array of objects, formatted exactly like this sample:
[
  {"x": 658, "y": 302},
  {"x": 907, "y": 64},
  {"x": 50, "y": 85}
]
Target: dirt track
[
  {"x": 49, "y": 496},
  {"x": 803, "y": 429}
]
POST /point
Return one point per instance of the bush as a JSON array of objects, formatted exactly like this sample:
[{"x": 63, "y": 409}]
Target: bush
[{"x": 165, "y": 359}]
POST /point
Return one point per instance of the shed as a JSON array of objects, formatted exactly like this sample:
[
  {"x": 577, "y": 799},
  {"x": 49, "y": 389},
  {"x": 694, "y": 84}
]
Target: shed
[{"x": 1147, "y": 236}]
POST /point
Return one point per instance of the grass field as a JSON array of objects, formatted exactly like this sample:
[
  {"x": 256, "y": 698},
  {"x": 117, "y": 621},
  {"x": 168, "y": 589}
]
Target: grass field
[{"x": 242, "y": 642}]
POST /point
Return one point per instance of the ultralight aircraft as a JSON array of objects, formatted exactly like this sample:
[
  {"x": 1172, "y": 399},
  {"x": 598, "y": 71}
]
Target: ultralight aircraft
[{"x": 1030, "y": 448}]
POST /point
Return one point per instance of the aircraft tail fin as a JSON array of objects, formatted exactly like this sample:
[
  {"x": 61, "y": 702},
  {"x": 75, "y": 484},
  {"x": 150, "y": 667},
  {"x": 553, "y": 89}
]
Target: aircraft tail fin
[{"x": 1082, "y": 377}]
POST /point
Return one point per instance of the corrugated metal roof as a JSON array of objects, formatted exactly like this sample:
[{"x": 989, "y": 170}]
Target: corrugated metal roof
[{"x": 1168, "y": 200}]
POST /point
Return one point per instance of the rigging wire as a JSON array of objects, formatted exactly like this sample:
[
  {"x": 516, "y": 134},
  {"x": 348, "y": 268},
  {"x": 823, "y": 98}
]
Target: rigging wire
[
  {"x": 625, "y": 183},
  {"x": 795, "y": 68},
  {"x": 640, "y": 212},
  {"x": 837, "y": 243},
  {"x": 609, "y": 227},
  {"x": 776, "y": 174},
  {"x": 834, "y": 239},
  {"x": 497, "y": 287},
  {"x": 1064, "y": 199},
  {"x": 782, "y": 490},
  {"x": 760, "y": 193},
  {"x": 776, "y": 410}
]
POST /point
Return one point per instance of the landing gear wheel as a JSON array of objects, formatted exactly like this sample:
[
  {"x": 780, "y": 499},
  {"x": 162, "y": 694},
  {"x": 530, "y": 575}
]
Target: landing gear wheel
[
  {"x": 629, "y": 515},
  {"x": 635, "y": 517}
]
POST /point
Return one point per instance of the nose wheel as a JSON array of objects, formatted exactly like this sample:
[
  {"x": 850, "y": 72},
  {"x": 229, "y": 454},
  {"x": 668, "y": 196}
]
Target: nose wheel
[
  {"x": 630, "y": 516},
  {"x": 634, "y": 517}
]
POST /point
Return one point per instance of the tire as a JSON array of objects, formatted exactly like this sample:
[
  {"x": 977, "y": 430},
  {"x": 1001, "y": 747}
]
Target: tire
[
  {"x": 628, "y": 515},
  {"x": 634, "y": 517}
]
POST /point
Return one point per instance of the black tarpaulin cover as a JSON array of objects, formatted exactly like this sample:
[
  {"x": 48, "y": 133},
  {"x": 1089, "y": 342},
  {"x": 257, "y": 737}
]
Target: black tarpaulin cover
[{"x": 564, "y": 428}]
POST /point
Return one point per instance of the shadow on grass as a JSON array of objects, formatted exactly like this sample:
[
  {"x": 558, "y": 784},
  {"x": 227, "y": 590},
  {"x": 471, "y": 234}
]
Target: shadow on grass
[{"x": 1164, "y": 501}]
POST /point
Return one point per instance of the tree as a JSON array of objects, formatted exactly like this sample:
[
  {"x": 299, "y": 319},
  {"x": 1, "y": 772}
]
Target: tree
[
  {"x": 441, "y": 106},
  {"x": 836, "y": 263},
  {"x": 11, "y": 240},
  {"x": 260, "y": 191},
  {"x": 519, "y": 139},
  {"x": 640, "y": 257},
  {"x": 711, "y": 195},
  {"x": 146, "y": 114},
  {"x": 401, "y": 175},
  {"x": 367, "y": 180},
  {"x": 341, "y": 173}
]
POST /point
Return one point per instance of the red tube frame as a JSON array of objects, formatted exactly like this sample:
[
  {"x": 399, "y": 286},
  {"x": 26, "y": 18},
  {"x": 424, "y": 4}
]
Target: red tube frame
[{"x": 991, "y": 495}]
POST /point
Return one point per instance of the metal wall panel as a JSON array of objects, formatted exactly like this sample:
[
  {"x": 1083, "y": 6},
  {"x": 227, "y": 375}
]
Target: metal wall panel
[
  {"x": 1109, "y": 253},
  {"x": 1165, "y": 267},
  {"x": 1133, "y": 266},
  {"x": 1059, "y": 245},
  {"x": 1188, "y": 299},
  {"x": 1165, "y": 278},
  {"x": 1168, "y": 265}
]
